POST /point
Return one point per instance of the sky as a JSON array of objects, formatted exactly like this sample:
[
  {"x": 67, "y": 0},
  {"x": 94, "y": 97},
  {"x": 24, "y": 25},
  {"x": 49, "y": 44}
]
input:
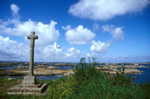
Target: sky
[{"x": 112, "y": 31}]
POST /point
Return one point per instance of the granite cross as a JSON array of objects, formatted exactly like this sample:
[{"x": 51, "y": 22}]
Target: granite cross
[{"x": 32, "y": 38}]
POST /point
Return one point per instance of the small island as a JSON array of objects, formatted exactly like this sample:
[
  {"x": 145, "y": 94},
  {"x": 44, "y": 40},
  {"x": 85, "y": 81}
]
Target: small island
[{"x": 45, "y": 70}]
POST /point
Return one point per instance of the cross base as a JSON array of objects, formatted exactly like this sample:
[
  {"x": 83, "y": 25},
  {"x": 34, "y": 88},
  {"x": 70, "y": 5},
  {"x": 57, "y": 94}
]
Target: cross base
[
  {"x": 29, "y": 80},
  {"x": 29, "y": 86},
  {"x": 38, "y": 89}
]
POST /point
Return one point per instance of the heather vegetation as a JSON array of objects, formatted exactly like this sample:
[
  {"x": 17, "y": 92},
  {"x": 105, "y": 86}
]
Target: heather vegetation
[{"x": 88, "y": 83}]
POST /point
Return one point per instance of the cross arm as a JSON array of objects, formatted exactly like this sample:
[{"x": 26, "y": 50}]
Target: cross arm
[
  {"x": 28, "y": 37},
  {"x": 35, "y": 37}
]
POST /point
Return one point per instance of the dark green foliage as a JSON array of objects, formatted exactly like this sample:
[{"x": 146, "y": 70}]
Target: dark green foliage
[
  {"x": 121, "y": 79},
  {"x": 145, "y": 90},
  {"x": 92, "y": 83}
]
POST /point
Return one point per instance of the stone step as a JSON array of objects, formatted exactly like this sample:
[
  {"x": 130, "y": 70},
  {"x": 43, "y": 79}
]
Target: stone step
[
  {"x": 27, "y": 90},
  {"x": 30, "y": 86},
  {"x": 24, "y": 93}
]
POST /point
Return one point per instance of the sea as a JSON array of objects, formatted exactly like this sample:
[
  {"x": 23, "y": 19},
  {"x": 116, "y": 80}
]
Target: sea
[{"x": 143, "y": 77}]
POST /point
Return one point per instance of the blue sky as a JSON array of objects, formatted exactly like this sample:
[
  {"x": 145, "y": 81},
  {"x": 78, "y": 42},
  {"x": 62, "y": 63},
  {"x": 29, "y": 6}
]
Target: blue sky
[{"x": 112, "y": 31}]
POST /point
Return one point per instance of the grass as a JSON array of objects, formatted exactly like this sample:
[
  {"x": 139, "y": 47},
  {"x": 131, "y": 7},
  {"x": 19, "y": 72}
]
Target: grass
[
  {"x": 86, "y": 83},
  {"x": 5, "y": 84}
]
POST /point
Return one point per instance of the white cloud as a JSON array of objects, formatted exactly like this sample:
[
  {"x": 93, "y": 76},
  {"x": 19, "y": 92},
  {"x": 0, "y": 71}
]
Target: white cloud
[
  {"x": 12, "y": 50},
  {"x": 106, "y": 9},
  {"x": 14, "y": 9},
  {"x": 117, "y": 32},
  {"x": 79, "y": 35},
  {"x": 49, "y": 52},
  {"x": 72, "y": 52},
  {"x": 68, "y": 27},
  {"x": 46, "y": 32},
  {"x": 55, "y": 53},
  {"x": 100, "y": 47}
]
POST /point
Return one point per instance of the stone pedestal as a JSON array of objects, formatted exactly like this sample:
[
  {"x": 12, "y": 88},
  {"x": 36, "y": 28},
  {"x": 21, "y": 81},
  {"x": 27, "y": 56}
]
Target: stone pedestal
[
  {"x": 29, "y": 86},
  {"x": 29, "y": 80}
]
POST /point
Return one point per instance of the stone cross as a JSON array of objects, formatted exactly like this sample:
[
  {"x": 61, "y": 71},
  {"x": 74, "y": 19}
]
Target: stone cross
[
  {"x": 29, "y": 86},
  {"x": 32, "y": 38}
]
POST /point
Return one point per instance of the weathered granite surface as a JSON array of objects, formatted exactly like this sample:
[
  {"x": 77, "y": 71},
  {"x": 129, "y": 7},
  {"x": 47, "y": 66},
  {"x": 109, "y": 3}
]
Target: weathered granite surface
[
  {"x": 27, "y": 89},
  {"x": 29, "y": 80}
]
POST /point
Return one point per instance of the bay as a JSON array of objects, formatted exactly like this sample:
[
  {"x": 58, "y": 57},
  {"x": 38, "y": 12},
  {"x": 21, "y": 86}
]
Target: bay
[{"x": 143, "y": 77}]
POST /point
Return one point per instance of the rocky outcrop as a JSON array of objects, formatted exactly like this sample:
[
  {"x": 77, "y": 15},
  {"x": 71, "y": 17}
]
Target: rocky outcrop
[
  {"x": 52, "y": 67},
  {"x": 21, "y": 67},
  {"x": 54, "y": 71},
  {"x": 37, "y": 71},
  {"x": 40, "y": 66},
  {"x": 68, "y": 73},
  {"x": 132, "y": 71}
]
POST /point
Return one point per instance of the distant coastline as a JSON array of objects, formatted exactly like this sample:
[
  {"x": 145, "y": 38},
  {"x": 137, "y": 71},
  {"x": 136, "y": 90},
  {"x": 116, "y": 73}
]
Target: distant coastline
[{"x": 14, "y": 63}]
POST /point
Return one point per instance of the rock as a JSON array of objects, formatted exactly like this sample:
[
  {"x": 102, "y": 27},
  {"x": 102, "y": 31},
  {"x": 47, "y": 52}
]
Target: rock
[
  {"x": 97, "y": 67},
  {"x": 113, "y": 67},
  {"x": 69, "y": 73},
  {"x": 52, "y": 67},
  {"x": 40, "y": 66},
  {"x": 112, "y": 72},
  {"x": 60, "y": 64},
  {"x": 133, "y": 78},
  {"x": 105, "y": 67},
  {"x": 20, "y": 67},
  {"x": 132, "y": 71},
  {"x": 10, "y": 78}
]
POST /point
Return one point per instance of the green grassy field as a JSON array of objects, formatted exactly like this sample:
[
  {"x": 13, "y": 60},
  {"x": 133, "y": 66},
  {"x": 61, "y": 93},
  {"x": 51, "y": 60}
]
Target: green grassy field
[{"x": 86, "y": 83}]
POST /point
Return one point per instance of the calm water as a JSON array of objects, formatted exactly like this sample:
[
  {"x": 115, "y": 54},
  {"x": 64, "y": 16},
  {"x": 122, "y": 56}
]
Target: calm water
[
  {"x": 12, "y": 67},
  {"x": 145, "y": 76},
  {"x": 64, "y": 67},
  {"x": 58, "y": 67},
  {"x": 42, "y": 77}
]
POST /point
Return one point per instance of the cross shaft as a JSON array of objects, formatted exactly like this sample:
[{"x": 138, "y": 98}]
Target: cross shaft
[{"x": 32, "y": 38}]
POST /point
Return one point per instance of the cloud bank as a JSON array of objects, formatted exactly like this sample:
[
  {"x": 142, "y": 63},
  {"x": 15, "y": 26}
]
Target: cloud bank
[
  {"x": 106, "y": 9},
  {"x": 46, "y": 48}
]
